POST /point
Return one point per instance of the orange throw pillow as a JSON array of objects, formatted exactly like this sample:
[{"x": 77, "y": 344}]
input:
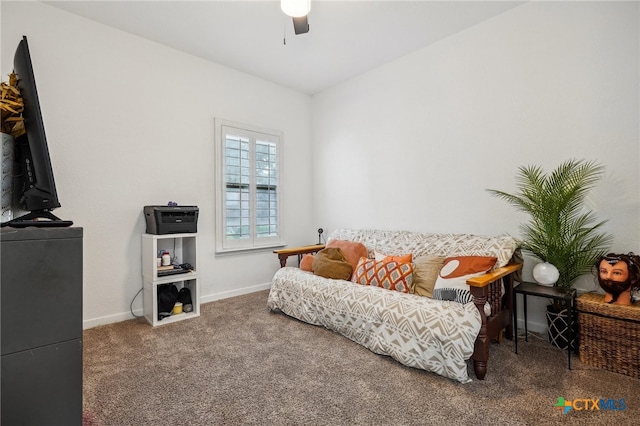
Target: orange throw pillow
[
  {"x": 407, "y": 258},
  {"x": 352, "y": 251},
  {"x": 306, "y": 264}
]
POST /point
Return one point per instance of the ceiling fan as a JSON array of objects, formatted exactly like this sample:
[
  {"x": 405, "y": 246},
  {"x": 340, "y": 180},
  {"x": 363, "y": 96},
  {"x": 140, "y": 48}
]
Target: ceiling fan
[{"x": 298, "y": 10}]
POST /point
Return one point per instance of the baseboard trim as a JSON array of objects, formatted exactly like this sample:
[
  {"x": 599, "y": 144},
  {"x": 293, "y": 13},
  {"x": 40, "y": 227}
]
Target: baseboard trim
[
  {"x": 125, "y": 316},
  {"x": 234, "y": 293},
  {"x": 534, "y": 326}
]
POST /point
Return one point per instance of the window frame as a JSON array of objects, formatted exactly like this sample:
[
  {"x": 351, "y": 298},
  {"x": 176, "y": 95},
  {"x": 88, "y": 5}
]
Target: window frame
[{"x": 254, "y": 134}]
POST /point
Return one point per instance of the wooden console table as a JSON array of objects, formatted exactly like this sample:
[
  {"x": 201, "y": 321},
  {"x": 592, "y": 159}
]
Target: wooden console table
[{"x": 283, "y": 254}]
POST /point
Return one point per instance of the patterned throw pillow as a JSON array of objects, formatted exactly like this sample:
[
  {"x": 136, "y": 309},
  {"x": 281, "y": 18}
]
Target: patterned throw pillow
[
  {"x": 389, "y": 275},
  {"x": 451, "y": 283}
]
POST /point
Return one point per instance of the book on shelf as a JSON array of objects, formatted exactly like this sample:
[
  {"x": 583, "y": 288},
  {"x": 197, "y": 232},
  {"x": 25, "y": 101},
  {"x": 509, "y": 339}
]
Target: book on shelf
[{"x": 165, "y": 268}]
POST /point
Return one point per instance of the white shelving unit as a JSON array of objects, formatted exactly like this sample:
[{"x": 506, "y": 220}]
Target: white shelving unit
[{"x": 182, "y": 247}]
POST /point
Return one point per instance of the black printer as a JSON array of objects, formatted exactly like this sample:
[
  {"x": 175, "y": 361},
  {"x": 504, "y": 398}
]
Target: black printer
[{"x": 171, "y": 219}]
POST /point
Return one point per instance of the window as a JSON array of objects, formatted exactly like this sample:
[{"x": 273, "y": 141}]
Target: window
[{"x": 248, "y": 193}]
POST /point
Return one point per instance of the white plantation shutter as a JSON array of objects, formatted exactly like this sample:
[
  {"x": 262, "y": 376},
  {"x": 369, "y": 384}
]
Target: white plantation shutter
[{"x": 248, "y": 208}]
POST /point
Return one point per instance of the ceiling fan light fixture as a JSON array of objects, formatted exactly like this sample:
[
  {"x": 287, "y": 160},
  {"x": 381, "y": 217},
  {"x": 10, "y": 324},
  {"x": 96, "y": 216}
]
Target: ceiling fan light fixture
[{"x": 295, "y": 8}]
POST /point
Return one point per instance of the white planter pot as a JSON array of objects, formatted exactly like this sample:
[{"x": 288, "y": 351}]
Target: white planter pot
[{"x": 546, "y": 274}]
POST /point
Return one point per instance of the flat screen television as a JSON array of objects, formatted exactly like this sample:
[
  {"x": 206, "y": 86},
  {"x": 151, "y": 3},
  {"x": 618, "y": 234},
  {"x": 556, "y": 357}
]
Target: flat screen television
[{"x": 34, "y": 187}]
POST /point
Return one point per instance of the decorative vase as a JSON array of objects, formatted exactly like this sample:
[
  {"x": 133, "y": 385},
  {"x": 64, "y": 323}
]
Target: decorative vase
[
  {"x": 7, "y": 176},
  {"x": 546, "y": 274}
]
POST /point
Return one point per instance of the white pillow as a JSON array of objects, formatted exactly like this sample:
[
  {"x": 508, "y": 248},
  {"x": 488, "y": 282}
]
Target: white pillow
[{"x": 451, "y": 283}]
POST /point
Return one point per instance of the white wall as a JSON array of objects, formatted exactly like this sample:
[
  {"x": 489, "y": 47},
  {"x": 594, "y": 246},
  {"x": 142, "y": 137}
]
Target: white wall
[
  {"x": 415, "y": 143},
  {"x": 130, "y": 123},
  {"x": 411, "y": 145}
]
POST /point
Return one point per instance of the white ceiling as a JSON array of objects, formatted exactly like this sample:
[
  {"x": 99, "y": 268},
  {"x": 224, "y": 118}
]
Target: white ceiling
[{"x": 346, "y": 38}]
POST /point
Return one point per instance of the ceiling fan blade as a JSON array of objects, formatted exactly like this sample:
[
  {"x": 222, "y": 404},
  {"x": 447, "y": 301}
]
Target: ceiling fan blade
[{"x": 300, "y": 25}]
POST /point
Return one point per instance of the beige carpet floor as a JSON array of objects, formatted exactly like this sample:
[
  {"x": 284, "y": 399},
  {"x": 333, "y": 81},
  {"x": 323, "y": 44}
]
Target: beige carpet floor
[{"x": 239, "y": 363}]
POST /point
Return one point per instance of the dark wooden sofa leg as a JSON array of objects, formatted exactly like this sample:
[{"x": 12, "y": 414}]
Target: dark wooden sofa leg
[
  {"x": 481, "y": 351},
  {"x": 488, "y": 287},
  {"x": 480, "y": 368},
  {"x": 481, "y": 347}
]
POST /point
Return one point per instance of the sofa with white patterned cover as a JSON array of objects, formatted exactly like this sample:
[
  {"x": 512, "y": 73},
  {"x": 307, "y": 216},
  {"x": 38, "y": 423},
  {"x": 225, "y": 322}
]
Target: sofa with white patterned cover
[{"x": 421, "y": 332}]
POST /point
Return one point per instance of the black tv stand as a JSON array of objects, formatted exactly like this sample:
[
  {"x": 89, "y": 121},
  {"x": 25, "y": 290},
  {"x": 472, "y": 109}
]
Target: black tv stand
[
  {"x": 41, "y": 326},
  {"x": 31, "y": 219}
]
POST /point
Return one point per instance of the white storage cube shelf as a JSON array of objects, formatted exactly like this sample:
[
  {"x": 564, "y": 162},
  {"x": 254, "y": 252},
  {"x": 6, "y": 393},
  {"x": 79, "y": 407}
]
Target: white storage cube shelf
[{"x": 183, "y": 248}]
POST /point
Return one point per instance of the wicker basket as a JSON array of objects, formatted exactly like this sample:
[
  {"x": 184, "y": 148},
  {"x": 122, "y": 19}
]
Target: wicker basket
[{"x": 609, "y": 335}]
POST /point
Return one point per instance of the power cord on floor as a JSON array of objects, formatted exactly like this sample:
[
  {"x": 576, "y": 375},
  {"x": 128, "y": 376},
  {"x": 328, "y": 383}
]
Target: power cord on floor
[{"x": 131, "y": 305}]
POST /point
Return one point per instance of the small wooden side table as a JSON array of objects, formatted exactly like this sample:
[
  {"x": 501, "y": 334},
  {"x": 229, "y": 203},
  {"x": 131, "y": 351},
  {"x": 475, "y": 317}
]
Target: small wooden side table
[
  {"x": 283, "y": 254},
  {"x": 536, "y": 290}
]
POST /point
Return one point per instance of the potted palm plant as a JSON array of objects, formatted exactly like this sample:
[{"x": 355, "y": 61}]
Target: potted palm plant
[{"x": 561, "y": 231}]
